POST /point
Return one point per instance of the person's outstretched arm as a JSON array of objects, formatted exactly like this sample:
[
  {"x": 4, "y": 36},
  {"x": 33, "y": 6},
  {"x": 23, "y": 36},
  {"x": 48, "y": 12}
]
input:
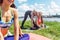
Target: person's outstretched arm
[
  {"x": 39, "y": 19},
  {"x": 42, "y": 22},
  {"x": 16, "y": 26}
]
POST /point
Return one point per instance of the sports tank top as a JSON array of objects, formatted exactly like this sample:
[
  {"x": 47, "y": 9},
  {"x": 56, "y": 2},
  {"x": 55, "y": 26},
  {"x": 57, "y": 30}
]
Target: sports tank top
[
  {"x": 4, "y": 24},
  {"x": 39, "y": 21}
]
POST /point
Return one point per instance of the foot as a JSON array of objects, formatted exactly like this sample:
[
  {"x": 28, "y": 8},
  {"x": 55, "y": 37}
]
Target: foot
[
  {"x": 43, "y": 26},
  {"x": 34, "y": 28},
  {"x": 23, "y": 28}
]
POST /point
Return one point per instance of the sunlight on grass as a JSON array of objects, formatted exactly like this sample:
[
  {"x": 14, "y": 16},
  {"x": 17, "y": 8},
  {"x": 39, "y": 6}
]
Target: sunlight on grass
[{"x": 52, "y": 32}]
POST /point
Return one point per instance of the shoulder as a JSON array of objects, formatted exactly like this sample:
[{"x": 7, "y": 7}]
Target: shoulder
[{"x": 15, "y": 11}]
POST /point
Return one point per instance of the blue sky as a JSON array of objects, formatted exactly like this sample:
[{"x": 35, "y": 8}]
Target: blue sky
[{"x": 45, "y": 6}]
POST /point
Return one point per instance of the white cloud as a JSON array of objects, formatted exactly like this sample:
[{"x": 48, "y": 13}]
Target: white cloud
[
  {"x": 54, "y": 6},
  {"x": 38, "y": 7},
  {"x": 21, "y": 1},
  {"x": 51, "y": 9}
]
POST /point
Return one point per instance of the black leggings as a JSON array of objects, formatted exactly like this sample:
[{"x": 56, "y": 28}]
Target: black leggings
[
  {"x": 36, "y": 26},
  {"x": 28, "y": 13}
]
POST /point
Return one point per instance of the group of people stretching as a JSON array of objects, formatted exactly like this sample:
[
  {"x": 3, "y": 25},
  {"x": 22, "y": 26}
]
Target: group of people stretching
[
  {"x": 36, "y": 19},
  {"x": 9, "y": 16}
]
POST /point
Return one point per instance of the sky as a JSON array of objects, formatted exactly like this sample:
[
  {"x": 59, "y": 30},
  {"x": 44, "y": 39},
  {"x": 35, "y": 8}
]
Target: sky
[{"x": 47, "y": 7}]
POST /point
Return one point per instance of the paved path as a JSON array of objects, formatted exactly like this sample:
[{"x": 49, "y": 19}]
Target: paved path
[{"x": 37, "y": 37}]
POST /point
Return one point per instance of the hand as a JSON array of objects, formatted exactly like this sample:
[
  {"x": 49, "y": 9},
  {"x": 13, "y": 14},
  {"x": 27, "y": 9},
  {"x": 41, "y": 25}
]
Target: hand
[
  {"x": 20, "y": 33},
  {"x": 43, "y": 26}
]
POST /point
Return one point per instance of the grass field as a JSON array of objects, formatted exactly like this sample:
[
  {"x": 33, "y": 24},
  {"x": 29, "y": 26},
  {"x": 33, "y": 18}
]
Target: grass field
[{"x": 52, "y": 32}]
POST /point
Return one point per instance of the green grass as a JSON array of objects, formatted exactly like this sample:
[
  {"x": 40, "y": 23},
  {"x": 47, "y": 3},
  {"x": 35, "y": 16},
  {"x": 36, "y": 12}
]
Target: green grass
[{"x": 52, "y": 32}]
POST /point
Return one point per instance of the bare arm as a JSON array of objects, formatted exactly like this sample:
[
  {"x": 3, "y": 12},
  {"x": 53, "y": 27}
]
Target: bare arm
[
  {"x": 42, "y": 18},
  {"x": 16, "y": 26},
  {"x": 42, "y": 22},
  {"x": 39, "y": 19},
  {"x": 40, "y": 14},
  {"x": 1, "y": 36}
]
